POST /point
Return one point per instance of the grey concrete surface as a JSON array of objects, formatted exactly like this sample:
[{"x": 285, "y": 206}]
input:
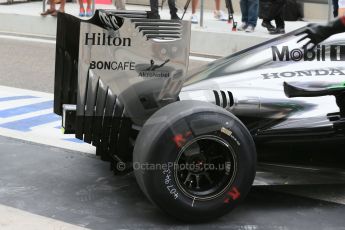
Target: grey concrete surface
[
  {"x": 27, "y": 65},
  {"x": 30, "y": 65},
  {"x": 79, "y": 189},
  {"x": 26, "y": 19}
]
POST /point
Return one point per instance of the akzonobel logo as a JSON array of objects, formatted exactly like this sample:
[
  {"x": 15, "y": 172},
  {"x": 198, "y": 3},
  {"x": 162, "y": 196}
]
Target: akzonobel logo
[{"x": 319, "y": 53}]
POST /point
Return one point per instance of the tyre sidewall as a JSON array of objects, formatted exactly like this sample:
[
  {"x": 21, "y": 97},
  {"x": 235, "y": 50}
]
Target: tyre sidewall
[{"x": 164, "y": 151}]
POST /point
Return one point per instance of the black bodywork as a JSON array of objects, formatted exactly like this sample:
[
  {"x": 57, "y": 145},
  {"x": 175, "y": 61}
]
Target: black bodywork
[{"x": 107, "y": 125}]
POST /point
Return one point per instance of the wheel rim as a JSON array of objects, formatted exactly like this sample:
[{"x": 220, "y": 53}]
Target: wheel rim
[{"x": 206, "y": 167}]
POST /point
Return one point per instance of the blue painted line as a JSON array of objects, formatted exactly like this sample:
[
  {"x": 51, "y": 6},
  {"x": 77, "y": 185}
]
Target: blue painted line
[
  {"x": 75, "y": 140},
  {"x": 26, "y": 109},
  {"x": 25, "y": 125},
  {"x": 13, "y": 98}
]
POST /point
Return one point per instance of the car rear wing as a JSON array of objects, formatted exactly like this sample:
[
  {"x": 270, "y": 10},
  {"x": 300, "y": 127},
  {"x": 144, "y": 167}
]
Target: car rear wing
[{"x": 120, "y": 59}]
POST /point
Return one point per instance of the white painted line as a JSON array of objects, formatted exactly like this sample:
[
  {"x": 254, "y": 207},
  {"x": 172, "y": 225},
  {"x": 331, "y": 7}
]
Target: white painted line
[
  {"x": 19, "y": 38},
  {"x": 5, "y": 90},
  {"x": 24, "y": 116},
  {"x": 35, "y": 124},
  {"x": 15, "y": 219},
  {"x": 23, "y": 102}
]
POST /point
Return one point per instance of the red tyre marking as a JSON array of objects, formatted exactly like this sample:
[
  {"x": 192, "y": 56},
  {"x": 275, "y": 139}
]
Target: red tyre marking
[
  {"x": 233, "y": 195},
  {"x": 181, "y": 139}
]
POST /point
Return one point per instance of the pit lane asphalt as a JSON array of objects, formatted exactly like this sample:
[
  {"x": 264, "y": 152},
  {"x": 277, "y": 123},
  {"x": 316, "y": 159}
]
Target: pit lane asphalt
[{"x": 79, "y": 189}]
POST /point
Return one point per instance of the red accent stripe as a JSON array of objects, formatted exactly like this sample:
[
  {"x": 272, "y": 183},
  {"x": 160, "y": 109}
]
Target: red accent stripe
[{"x": 342, "y": 19}]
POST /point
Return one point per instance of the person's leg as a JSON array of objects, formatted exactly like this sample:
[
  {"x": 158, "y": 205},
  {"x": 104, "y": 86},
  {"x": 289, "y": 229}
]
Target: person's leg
[
  {"x": 81, "y": 5},
  {"x": 266, "y": 21},
  {"x": 172, "y": 7},
  {"x": 89, "y": 12},
  {"x": 218, "y": 14},
  {"x": 61, "y": 9},
  {"x": 62, "y": 5},
  {"x": 194, "y": 5},
  {"x": 280, "y": 21},
  {"x": 277, "y": 13},
  {"x": 335, "y": 8},
  {"x": 266, "y": 8},
  {"x": 244, "y": 10},
  {"x": 88, "y": 6},
  {"x": 278, "y": 9},
  {"x": 81, "y": 8},
  {"x": 280, "y": 25},
  {"x": 52, "y": 5},
  {"x": 51, "y": 9},
  {"x": 267, "y": 24},
  {"x": 253, "y": 11},
  {"x": 217, "y": 2},
  {"x": 267, "y": 18},
  {"x": 194, "y": 18},
  {"x": 154, "y": 6}
]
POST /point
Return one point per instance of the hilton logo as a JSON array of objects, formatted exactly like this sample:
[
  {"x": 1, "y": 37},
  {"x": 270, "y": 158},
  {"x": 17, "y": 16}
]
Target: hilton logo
[
  {"x": 101, "y": 39},
  {"x": 320, "y": 53}
]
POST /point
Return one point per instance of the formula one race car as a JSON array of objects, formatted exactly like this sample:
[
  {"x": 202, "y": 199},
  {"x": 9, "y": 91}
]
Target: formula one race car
[{"x": 192, "y": 140}]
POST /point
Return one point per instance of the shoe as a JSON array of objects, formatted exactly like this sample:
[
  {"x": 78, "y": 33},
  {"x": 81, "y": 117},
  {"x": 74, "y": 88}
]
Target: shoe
[
  {"x": 47, "y": 12},
  {"x": 277, "y": 31},
  {"x": 89, "y": 12},
  {"x": 243, "y": 26},
  {"x": 54, "y": 14},
  {"x": 250, "y": 29},
  {"x": 219, "y": 15},
  {"x": 154, "y": 16},
  {"x": 194, "y": 19},
  {"x": 175, "y": 17},
  {"x": 268, "y": 26},
  {"x": 81, "y": 12}
]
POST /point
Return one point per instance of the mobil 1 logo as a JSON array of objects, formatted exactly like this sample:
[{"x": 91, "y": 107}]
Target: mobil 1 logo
[{"x": 319, "y": 53}]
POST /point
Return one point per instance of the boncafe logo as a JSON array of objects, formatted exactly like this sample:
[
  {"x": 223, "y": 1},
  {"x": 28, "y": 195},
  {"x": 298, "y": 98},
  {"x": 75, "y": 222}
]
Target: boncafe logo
[{"x": 320, "y": 53}]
